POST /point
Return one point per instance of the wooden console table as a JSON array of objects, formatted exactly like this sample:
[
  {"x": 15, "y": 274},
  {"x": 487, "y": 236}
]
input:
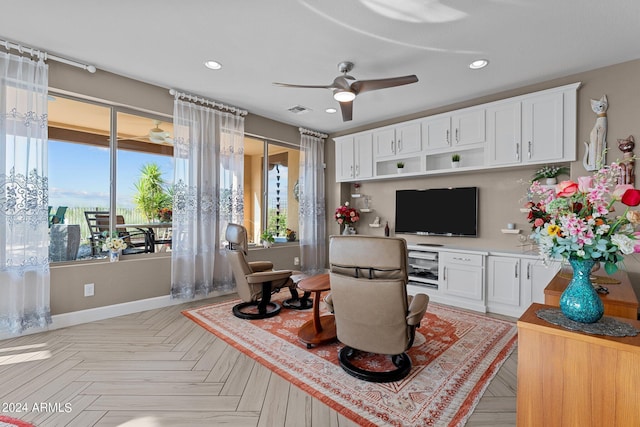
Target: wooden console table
[
  {"x": 570, "y": 378},
  {"x": 621, "y": 301}
]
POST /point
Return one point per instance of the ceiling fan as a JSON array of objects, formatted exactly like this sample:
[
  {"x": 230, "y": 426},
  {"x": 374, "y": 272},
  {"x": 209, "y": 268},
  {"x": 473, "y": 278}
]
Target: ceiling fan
[
  {"x": 159, "y": 136},
  {"x": 155, "y": 135},
  {"x": 345, "y": 88}
]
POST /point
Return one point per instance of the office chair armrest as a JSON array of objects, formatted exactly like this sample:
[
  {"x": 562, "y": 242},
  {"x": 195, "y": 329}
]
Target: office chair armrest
[
  {"x": 417, "y": 307},
  {"x": 328, "y": 300},
  {"x": 268, "y": 276},
  {"x": 257, "y": 266}
]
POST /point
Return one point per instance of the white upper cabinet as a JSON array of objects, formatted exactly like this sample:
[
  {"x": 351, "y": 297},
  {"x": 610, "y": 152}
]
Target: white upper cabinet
[
  {"x": 542, "y": 128},
  {"x": 454, "y": 129},
  {"x": 533, "y": 129},
  {"x": 530, "y": 129},
  {"x": 398, "y": 141},
  {"x": 354, "y": 157},
  {"x": 504, "y": 129}
]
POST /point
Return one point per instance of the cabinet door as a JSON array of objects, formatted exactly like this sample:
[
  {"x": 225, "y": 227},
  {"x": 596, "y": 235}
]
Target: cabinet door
[
  {"x": 385, "y": 142},
  {"x": 468, "y": 127},
  {"x": 345, "y": 160},
  {"x": 504, "y": 128},
  {"x": 503, "y": 286},
  {"x": 462, "y": 275},
  {"x": 436, "y": 132},
  {"x": 408, "y": 139},
  {"x": 363, "y": 156},
  {"x": 537, "y": 276},
  {"x": 542, "y": 128}
]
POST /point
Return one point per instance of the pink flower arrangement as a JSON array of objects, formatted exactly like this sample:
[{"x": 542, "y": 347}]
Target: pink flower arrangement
[
  {"x": 346, "y": 215},
  {"x": 578, "y": 220}
]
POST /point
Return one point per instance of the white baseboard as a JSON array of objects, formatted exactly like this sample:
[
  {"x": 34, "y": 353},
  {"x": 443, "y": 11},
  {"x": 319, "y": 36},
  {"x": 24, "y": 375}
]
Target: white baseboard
[{"x": 65, "y": 320}]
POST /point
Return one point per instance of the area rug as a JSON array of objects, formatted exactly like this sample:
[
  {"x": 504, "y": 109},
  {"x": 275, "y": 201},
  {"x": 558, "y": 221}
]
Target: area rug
[
  {"x": 455, "y": 355},
  {"x": 12, "y": 422}
]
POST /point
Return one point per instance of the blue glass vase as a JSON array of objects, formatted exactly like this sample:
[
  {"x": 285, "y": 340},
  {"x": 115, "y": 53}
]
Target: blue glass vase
[{"x": 580, "y": 301}]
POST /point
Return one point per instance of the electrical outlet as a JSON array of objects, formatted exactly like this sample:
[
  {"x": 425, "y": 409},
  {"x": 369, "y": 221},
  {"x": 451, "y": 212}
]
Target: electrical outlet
[
  {"x": 296, "y": 261},
  {"x": 88, "y": 289}
]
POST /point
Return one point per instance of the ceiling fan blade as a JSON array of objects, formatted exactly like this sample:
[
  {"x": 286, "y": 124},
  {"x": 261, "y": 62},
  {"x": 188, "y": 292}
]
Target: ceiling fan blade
[
  {"x": 304, "y": 86},
  {"x": 347, "y": 110},
  {"x": 369, "y": 85}
]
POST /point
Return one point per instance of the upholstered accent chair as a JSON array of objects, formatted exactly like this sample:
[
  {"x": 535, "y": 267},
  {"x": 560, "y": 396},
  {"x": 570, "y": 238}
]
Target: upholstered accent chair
[
  {"x": 257, "y": 280},
  {"x": 373, "y": 312}
]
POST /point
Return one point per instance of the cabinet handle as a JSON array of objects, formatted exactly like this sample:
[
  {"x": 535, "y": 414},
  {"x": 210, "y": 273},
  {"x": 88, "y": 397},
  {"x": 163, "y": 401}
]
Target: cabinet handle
[
  {"x": 529, "y": 150},
  {"x": 457, "y": 140},
  {"x": 444, "y": 273},
  {"x": 448, "y": 136},
  {"x": 393, "y": 146},
  {"x": 351, "y": 171},
  {"x": 528, "y": 270},
  {"x": 357, "y": 170},
  {"x": 462, "y": 259},
  {"x": 399, "y": 145},
  {"x": 517, "y": 268},
  {"x": 517, "y": 151}
]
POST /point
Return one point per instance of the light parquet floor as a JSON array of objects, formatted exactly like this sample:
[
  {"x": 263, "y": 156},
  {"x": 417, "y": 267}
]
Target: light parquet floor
[{"x": 157, "y": 368}]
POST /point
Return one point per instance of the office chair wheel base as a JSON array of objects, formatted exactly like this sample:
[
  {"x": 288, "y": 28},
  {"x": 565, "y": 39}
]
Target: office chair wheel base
[
  {"x": 251, "y": 311},
  {"x": 401, "y": 361}
]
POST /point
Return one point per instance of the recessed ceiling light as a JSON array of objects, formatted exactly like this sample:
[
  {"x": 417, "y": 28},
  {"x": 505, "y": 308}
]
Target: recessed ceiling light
[
  {"x": 330, "y": 110},
  {"x": 212, "y": 65},
  {"x": 478, "y": 63}
]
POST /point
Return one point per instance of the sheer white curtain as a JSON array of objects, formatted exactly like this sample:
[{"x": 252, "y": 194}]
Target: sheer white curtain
[
  {"x": 312, "y": 206},
  {"x": 208, "y": 181},
  {"x": 24, "y": 232}
]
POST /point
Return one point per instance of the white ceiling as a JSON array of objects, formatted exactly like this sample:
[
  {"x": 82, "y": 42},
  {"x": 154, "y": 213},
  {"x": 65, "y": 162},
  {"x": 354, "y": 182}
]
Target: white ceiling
[{"x": 165, "y": 42}]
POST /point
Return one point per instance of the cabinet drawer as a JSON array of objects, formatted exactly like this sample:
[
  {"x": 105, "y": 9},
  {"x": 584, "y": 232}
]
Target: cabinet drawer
[{"x": 461, "y": 258}]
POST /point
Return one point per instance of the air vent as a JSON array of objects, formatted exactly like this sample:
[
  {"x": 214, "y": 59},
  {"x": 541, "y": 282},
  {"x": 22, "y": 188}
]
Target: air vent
[{"x": 299, "y": 109}]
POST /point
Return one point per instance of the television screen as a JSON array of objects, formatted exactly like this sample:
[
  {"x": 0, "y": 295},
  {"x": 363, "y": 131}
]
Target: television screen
[{"x": 438, "y": 211}]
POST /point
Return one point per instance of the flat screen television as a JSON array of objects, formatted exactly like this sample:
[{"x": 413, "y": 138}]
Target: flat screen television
[{"x": 438, "y": 212}]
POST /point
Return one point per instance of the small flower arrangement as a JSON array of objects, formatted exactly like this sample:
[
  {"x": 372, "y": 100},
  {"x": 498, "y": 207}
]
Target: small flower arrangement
[
  {"x": 576, "y": 219},
  {"x": 550, "y": 172},
  {"x": 291, "y": 235},
  {"x": 165, "y": 215},
  {"x": 114, "y": 244},
  {"x": 346, "y": 215}
]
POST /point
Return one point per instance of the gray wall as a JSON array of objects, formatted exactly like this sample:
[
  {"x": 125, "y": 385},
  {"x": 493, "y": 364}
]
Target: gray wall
[
  {"x": 501, "y": 193},
  {"x": 501, "y": 190}
]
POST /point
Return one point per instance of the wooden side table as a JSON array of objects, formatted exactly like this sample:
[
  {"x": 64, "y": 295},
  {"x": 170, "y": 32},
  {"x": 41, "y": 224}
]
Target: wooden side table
[
  {"x": 621, "y": 301},
  {"x": 568, "y": 378},
  {"x": 320, "y": 329}
]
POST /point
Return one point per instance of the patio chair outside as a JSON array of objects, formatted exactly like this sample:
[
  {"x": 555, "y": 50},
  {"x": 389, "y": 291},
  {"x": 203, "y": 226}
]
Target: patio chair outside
[{"x": 138, "y": 241}]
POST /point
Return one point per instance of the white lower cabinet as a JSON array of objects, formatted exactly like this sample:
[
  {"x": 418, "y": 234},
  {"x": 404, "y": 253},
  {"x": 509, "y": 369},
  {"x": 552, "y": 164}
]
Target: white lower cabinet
[
  {"x": 513, "y": 283},
  {"x": 462, "y": 279}
]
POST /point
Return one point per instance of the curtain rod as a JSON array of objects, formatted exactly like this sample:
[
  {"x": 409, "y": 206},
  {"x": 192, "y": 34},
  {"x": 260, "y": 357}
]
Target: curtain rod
[
  {"x": 205, "y": 101},
  {"x": 313, "y": 133},
  {"x": 45, "y": 55}
]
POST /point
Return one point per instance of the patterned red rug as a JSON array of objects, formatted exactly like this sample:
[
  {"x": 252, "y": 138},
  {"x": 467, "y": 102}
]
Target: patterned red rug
[
  {"x": 12, "y": 422},
  {"x": 455, "y": 355}
]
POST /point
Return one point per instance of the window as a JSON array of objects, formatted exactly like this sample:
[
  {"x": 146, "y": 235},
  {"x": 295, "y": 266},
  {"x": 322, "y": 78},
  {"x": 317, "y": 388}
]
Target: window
[
  {"x": 91, "y": 171},
  {"x": 271, "y": 174}
]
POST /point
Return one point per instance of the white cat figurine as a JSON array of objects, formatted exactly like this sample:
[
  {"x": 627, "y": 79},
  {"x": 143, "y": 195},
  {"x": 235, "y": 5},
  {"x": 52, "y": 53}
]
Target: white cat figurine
[{"x": 595, "y": 150}]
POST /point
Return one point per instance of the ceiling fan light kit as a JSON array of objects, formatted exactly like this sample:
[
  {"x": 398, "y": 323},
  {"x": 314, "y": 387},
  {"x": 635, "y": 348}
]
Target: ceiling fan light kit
[{"x": 346, "y": 88}]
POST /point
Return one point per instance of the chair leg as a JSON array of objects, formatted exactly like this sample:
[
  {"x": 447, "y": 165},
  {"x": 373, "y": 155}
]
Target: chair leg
[
  {"x": 401, "y": 361},
  {"x": 297, "y": 303},
  {"x": 265, "y": 307}
]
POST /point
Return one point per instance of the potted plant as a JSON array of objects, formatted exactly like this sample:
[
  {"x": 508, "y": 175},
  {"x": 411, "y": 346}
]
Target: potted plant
[
  {"x": 550, "y": 174},
  {"x": 267, "y": 239},
  {"x": 400, "y": 167},
  {"x": 455, "y": 160}
]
